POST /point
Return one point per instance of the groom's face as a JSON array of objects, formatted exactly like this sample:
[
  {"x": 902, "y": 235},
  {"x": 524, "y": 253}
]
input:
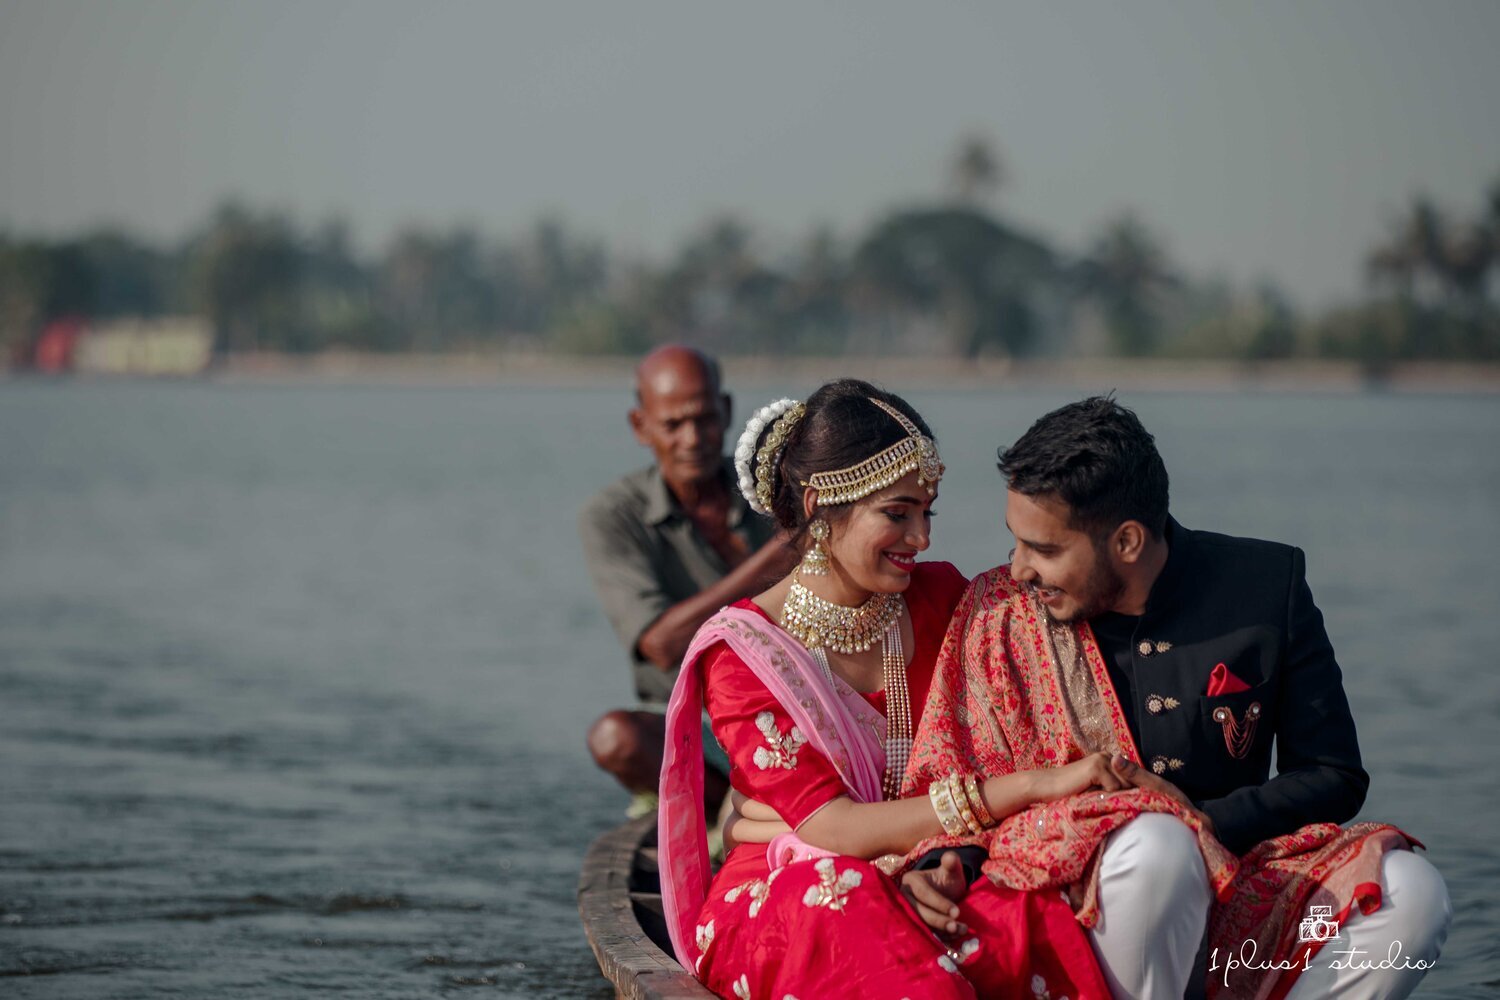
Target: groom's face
[{"x": 1071, "y": 576}]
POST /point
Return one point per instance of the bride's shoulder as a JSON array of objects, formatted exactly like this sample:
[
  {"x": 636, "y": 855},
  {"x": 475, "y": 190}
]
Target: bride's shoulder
[
  {"x": 943, "y": 575},
  {"x": 939, "y": 582}
]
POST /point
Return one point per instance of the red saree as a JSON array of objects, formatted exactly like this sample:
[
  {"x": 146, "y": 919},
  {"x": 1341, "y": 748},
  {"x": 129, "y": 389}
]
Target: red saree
[{"x": 829, "y": 925}]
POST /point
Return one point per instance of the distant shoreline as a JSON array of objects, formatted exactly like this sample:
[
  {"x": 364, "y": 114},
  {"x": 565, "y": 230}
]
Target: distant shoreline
[{"x": 909, "y": 373}]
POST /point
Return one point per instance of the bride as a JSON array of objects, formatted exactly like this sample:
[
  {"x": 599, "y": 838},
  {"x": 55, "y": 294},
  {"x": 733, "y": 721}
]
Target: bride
[{"x": 812, "y": 688}]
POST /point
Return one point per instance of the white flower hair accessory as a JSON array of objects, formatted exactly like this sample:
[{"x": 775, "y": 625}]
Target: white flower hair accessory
[{"x": 755, "y": 467}]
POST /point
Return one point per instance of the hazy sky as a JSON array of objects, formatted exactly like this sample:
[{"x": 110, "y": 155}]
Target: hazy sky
[{"x": 1259, "y": 139}]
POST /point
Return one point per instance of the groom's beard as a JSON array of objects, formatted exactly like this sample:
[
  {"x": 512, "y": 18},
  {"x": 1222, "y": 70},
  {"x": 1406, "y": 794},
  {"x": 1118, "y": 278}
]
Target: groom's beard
[{"x": 1100, "y": 592}]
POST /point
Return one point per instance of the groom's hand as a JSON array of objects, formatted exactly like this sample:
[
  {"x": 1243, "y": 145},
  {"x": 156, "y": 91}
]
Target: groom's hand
[
  {"x": 1133, "y": 774},
  {"x": 934, "y": 893}
]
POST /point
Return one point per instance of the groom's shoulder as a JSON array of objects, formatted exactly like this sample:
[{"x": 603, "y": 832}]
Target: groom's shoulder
[{"x": 1236, "y": 555}]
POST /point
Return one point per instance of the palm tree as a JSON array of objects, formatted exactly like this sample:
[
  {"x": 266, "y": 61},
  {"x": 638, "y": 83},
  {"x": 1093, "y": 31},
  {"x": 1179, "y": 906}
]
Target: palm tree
[
  {"x": 249, "y": 270},
  {"x": 1127, "y": 273},
  {"x": 976, "y": 171},
  {"x": 1440, "y": 270},
  {"x": 974, "y": 273}
]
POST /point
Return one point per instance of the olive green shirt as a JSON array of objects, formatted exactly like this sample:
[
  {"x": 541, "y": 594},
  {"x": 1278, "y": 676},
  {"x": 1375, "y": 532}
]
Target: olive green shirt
[{"x": 645, "y": 555}]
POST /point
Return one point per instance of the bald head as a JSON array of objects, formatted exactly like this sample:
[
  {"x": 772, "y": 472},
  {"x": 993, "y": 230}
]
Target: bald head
[
  {"x": 672, "y": 366},
  {"x": 681, "y": 414}
]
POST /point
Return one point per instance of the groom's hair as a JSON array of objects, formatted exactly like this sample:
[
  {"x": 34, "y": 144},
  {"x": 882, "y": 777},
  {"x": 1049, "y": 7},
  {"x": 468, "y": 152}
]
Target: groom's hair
[{"x": 1095, "y": 456}]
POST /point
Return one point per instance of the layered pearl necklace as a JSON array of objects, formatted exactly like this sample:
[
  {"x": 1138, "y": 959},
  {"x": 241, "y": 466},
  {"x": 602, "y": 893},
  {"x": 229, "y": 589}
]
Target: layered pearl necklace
[{"x": 822, "y": 625}]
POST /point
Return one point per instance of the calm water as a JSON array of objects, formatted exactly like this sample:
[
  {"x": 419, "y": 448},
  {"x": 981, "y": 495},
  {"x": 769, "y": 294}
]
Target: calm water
[{"x": 293, "y": 681}]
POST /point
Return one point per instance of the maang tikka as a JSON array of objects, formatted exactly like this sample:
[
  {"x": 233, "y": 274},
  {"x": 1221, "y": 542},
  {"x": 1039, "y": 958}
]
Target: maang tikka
[{"x": 815, "y": 562}]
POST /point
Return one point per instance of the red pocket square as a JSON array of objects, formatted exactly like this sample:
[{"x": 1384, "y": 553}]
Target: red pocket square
[{"x": 1223, "y": 681}]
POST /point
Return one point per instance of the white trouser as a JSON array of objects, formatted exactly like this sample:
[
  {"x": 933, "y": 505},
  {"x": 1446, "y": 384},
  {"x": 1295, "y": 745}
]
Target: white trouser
[
  {"x": 1153, "y": 905},
  {"x": 1406, "y": 935}
]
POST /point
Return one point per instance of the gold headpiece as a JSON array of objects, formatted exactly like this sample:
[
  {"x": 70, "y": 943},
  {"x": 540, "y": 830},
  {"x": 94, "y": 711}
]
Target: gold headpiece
[{"x": 915, "y": 451}]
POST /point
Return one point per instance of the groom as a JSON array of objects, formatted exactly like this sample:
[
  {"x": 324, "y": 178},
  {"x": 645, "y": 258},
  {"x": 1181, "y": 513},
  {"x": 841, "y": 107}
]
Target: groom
[{"x": 1205, "y": 650}]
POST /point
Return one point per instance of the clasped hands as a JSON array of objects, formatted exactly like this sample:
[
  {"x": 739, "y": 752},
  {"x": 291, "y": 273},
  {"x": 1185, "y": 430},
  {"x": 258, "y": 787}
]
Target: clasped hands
[{"x": 935, "y": 892}]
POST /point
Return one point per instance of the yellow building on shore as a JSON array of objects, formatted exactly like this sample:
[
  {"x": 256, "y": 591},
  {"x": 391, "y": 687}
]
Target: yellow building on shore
[{"x": 181, "y": 345}]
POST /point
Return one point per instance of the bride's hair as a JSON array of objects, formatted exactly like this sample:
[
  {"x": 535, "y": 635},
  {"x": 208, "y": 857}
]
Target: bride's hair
[{"x": 840, "y": 428}]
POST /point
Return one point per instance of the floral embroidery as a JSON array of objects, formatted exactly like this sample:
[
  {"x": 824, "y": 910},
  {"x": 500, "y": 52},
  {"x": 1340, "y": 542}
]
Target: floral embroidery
[
  {"x": 1039, "y": 990},
  {"x": 758, "y": 893},
  {"x": 705, "y": 934},
  {"x": 757, "y": 890},
  {"x": 954, "y": 957},
  {"x": 782, "y": 750},
  {"x": 833, "y": 887},
  {"x": 742, "y": 987}
]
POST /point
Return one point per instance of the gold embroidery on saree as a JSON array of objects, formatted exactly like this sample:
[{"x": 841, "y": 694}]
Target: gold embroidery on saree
[{"x": 1083, "y": 707}]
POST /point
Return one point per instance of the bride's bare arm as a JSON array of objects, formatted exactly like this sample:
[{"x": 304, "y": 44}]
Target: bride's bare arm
[
  {"x": 870, "y": 829},
  {"x": 751, "y": 808},
  {"x": 751, "y": 822},
  {"x": 739, "y": 830}
]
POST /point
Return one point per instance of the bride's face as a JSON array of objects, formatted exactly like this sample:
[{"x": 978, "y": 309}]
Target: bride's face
[{"x": 875, "y": 548}]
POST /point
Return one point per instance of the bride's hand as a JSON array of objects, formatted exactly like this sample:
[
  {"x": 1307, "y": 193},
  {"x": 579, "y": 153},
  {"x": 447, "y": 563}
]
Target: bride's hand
[{"x": 1093, "y": 771}]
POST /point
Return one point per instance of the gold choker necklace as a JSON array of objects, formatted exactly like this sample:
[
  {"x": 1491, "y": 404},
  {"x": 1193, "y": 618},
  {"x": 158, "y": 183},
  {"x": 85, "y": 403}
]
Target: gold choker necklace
[
  {"x": 822, "y": 625},
  {"x": 817, "y": 623}
]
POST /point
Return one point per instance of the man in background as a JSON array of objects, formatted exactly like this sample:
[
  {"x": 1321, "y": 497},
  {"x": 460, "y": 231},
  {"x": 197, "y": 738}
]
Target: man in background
[{"x": 667, "y": 546}]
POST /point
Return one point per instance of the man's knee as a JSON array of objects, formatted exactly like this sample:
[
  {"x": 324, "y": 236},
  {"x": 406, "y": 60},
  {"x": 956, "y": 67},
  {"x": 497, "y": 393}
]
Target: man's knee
[
  {"x": 629, "y": 746},
  {"x": 1419, "y": 902},
  {"x": 614, "y": 739},
  {"x": 1158, "y": 850},
  {"x": 1154, "y": 899}
]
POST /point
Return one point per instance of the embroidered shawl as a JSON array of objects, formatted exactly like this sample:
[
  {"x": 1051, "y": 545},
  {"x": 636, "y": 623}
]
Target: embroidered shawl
[
  {"x": 1014, "y": 691},
  {"x": 836, "y": 721}
]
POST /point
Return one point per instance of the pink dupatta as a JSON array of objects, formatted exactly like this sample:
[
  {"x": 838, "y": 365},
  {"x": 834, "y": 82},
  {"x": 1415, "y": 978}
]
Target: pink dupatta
[{"x": 834, "y": 723}]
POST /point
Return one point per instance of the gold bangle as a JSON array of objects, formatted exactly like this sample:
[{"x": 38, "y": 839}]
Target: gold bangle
[
  {"x": 956, "y": 789},
  {"x": 976, "y": 801},
  {"x": 947, "y": 809}
]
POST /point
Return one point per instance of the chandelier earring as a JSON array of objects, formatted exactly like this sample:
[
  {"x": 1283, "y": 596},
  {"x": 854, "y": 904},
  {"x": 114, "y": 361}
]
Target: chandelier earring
[{"x": 815, "y": 563}]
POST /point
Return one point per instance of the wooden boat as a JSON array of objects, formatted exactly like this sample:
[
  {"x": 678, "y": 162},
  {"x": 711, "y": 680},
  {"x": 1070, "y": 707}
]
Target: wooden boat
[{"x": 619, "y": 899}]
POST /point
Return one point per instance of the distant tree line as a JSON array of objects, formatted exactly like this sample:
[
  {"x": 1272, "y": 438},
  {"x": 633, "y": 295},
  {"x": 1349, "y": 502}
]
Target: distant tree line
[{"x": 952, "y": 276}]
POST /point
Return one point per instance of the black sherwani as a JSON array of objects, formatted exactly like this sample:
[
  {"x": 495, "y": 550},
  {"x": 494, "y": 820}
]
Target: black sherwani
[{"x": 1245, "y": 604}]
